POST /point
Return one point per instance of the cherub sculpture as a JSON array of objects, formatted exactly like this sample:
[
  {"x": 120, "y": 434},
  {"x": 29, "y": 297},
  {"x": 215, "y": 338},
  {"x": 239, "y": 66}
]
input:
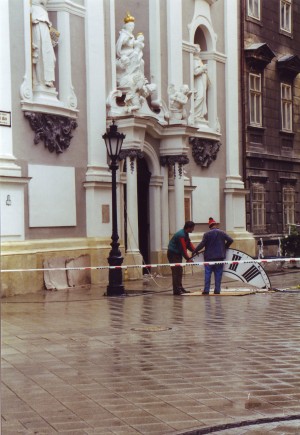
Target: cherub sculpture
[{"x": 177, "y": 100}]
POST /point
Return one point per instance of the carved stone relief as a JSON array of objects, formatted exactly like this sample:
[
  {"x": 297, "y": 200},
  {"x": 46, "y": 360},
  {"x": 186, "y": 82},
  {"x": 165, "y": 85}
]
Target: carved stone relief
[
  {"x": 204, "y": 151},
  {"x": 54, "y": 130}
]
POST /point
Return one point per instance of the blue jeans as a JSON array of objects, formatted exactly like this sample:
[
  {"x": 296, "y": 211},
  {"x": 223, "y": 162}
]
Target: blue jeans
[{"x": 218, "y": 272}]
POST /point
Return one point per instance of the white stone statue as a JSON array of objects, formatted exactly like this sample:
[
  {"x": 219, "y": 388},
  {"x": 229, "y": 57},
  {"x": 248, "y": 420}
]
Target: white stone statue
[
  {"x": 201, "y": 82},
  {"x": 125, "y": 43},
  {"x": 140, "y": 90},
  {"x": 43, "y": 56},
  {"x": 130, "y": 67},
  {"x": 136, "y": 57},
  {"x": 177, "y": 101}
]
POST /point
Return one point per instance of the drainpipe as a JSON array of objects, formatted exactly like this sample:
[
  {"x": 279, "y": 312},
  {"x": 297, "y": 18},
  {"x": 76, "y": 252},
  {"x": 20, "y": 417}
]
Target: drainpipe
[{"x": 243, "y": 99}]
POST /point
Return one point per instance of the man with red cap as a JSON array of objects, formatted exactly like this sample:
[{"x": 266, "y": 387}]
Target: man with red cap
[{"x": 215, "y": 242}]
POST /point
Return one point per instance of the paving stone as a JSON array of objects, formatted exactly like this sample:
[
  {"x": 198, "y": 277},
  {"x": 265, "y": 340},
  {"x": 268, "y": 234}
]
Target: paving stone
[{"x": 80, "y": 363}]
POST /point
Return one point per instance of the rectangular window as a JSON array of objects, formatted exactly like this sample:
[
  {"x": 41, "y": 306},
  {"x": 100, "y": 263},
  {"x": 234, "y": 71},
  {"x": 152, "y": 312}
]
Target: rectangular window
[
  {"x": 286, "y": 107},
  {"x": 258, "y": 207},
  {"x": 288, "y": 204},
  {"x": 254, "y": 9},
  {"x": 255, "y": 99},
  {"x": 286, "y": 15}
]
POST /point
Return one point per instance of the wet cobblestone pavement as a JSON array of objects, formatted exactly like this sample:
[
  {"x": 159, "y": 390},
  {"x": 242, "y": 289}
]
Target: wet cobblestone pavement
[{"x": 76, "y": 362}]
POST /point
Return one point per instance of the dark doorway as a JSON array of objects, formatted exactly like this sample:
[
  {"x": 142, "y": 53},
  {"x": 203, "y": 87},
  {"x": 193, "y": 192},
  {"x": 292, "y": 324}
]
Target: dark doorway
[{"x": 143, "y": 180}]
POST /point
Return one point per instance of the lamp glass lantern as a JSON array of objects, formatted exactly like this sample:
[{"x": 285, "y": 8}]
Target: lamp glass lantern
[{"x": 113, "y": 141}]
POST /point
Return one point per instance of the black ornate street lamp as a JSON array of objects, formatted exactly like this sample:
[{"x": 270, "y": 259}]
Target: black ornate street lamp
[{"x": 113, "y": 141}]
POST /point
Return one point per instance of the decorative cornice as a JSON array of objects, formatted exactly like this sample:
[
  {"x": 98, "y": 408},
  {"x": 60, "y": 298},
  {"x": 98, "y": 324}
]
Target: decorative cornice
[
  {"x": 258, "y": 178},
  {"x": 46, "y": 107},
  {"x": 214, "y": 55},
  {"x": 289, "y": 66},
  {"x": 259, "y": 55},
  {"x": 204, "y": 151},
  {"x": 66, "y": 6},
  {"x": 7, "y": 179},
  {"x": 189, "y": 47},
  {"x": 54, "y": 130},
  {"x": 288, "y": 180}
]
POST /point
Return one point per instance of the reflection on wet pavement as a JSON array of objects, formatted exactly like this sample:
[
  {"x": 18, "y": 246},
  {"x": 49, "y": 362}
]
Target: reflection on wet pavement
[{"x": 77, "y": 362}]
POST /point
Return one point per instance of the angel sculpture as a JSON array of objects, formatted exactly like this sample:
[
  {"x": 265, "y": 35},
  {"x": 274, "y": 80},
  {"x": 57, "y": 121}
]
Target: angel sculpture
[{"x": 177, "y": 100}]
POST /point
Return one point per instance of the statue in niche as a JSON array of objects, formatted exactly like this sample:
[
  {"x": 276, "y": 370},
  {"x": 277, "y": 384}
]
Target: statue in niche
[
  {"x": 177, "y": 101},
  {"x": 201, "y": 82},
  {"x": 130, "y": 67},
  {"x": 44, "y": 39}
]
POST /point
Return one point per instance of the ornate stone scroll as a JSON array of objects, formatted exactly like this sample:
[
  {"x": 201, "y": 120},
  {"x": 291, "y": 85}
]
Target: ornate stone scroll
[
  {"x": 204, "y": 151},
  {"x": 54, "y": 130}
]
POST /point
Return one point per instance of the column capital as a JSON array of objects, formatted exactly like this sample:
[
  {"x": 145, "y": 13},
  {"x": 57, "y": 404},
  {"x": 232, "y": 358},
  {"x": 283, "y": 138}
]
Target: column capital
[
  {"x": 133, "y": 154},
  {"x": 180, "y": 159}
]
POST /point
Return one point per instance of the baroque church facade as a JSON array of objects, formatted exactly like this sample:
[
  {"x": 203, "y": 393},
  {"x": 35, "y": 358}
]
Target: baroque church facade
[{"x": 166, "y": 72}]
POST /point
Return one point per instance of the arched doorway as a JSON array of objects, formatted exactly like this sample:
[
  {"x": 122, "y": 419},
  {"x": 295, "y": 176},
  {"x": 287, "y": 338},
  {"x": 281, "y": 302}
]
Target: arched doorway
[{"x": 143, "y": 180}]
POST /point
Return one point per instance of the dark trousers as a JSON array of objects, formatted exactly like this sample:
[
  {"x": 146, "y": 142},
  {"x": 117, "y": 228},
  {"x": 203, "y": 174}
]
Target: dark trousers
[{"x": 177, "y": 271}]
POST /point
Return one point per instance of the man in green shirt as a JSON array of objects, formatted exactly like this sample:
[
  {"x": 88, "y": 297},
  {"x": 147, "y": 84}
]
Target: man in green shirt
[{"x": 178, "y": 246}]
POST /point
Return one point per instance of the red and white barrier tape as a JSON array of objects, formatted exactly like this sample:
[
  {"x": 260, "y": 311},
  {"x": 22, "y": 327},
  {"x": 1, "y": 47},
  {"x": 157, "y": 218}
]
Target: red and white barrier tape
[{"x": 152, "y": 266}]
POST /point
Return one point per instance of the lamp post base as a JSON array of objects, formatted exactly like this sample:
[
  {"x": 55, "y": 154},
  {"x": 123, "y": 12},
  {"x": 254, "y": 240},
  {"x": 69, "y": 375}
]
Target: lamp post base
[
  {"x": 115, "y": 277},
  {"x": 115, "y": 290}
]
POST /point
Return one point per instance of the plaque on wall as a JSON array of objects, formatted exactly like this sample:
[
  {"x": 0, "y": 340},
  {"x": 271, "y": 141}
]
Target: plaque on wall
[{"x": 5, "y": 118}]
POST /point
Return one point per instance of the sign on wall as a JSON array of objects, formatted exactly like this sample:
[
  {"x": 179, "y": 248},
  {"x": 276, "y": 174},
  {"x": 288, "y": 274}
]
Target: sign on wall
[{"x": 5, "y": 119}]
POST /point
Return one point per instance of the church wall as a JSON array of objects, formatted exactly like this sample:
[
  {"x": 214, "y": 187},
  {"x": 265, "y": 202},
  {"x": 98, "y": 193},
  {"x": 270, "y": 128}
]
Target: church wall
[
  {"x": 46, "y": 241},
  {"x": 29, "y": 153},
  {"x": 161, "y": 138},
  {"x": 217, "y": 16},
  {"x": 164, "y": 53},
  {"x": 187, "y": 16}
]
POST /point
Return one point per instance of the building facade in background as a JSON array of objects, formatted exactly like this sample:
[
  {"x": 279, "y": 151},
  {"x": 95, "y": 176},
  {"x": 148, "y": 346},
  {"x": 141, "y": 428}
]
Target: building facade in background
[
  {"x": 167, "y": 73},
  {"x": 271, "y": 133}
]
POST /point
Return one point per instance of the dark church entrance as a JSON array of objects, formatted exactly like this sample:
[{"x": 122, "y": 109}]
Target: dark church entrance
[{"x": 143, "y": 180}]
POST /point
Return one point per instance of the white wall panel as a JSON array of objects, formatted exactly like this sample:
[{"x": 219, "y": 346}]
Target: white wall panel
[
  {"x": 52, "y": 197},
  {"x": 206, "y": 199}
]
